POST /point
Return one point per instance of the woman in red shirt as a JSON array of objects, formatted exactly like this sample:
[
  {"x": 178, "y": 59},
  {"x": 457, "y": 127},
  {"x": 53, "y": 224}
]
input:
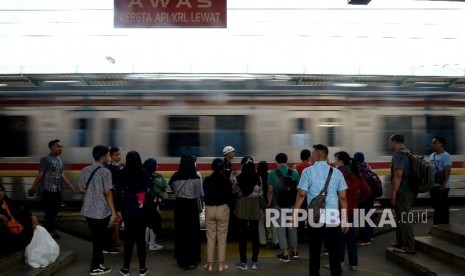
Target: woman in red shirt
[{"x": 357, "y": 192}]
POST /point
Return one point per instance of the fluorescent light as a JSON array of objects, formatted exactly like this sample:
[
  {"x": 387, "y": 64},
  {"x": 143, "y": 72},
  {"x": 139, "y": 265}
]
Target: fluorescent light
[
  {"x": 62, "y": 81},
  {"x": 3, "y": 84},
  {"x": 432, "y": 82},
  {"x": 350, "y": 84},
  {"x": 329, "y": 125}
]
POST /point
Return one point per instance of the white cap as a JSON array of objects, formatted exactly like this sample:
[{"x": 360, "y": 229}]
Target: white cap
[{"x": 228, "y": 149}]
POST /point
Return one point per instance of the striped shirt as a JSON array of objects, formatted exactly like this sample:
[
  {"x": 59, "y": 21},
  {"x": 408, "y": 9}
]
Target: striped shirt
[
  {"x": 52, "y": 167},
  {"x": 95, "y": 204},
  {"x": 187, "y": 188}
]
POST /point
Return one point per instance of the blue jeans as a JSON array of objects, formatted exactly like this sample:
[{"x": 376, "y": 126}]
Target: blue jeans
[{"x": 349, "y": 239}]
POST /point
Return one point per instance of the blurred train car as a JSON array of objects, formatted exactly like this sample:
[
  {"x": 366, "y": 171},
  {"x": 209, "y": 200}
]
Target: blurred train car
[{"x": 165, "y": 123}]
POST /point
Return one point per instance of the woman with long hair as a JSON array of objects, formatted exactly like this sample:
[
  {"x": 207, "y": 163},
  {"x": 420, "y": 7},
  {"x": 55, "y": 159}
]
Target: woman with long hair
[
  {"x": 358, "y": 191},
  {"x": 218, "y": 193},
  {"x": 262, "y": 171},
  {"x": 135, "y": 182},
  {"x": 187, "y": 188},
  {"x": 248, "y": 211}
]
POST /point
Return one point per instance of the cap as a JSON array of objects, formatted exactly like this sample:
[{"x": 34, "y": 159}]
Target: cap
[{"x": 228, "y": 149}]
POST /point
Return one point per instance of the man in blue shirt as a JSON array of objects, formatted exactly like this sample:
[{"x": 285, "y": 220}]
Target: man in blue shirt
[
  {"x": 312, "y": 181},
  {"x": 441, "y": 162}
]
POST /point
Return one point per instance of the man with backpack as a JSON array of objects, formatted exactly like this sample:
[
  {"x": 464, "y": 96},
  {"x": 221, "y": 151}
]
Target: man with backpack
[
  {"x": 403, "y": 196},
  {"x": 376, "y": 186},
  {"x": 282, "y": 192}
]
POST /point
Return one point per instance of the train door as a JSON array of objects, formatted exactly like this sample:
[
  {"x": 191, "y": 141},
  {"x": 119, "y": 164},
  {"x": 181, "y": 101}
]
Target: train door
[
  {"x": 318, "y": 127},
  {"x": 89, "y": 128}
]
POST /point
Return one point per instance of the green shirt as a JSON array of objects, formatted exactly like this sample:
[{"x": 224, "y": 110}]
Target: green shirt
[
  {"x": 273, "y": 181},
  {"x": 159, "y": 185}
]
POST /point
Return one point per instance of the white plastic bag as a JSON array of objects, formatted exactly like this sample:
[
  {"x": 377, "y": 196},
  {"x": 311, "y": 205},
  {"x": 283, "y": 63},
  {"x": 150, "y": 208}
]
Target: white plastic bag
[{"x": 42, "y": 250}]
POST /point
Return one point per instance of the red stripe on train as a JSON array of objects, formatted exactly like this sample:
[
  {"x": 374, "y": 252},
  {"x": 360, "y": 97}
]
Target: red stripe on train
[{"x": 174, "y": 166}]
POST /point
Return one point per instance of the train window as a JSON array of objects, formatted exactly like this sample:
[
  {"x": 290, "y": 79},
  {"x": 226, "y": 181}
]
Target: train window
[
  {"x": 395, "y": 124},
  {"x": 15, "y": 136},
  {"x": 419, "y": 131},
  {"x": 230, "y": 130},
  {"x": 443, "y": 126},
  {"x": 301, "y": 134},
  {"x": 183, "y": 136},
  {"x": 82, "y": 132},
  {"x": 205, "y": 135},
  {"x": 333, "y": 132},
  {"x": 115, "y": 134}
]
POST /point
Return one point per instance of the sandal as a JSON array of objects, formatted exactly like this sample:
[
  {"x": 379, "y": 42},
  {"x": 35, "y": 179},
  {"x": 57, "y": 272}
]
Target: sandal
[
  {"x": 223, "y": 268},
  {"x": 208, "y": 267}
]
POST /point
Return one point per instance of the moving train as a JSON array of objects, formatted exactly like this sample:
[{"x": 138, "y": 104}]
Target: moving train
[{"x": 257, "y": 121}]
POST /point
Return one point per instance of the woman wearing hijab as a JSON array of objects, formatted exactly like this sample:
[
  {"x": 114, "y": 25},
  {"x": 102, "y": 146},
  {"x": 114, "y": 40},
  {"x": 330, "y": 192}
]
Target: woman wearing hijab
[
  {"x": 154, "y": 197},
  {"x": 248, "y": 211},
  {"x": 135, "y": 182},
  {"x": 218, "y": 193},
  {"x": 187, "y": 188},
  {"x": 10, "y": 209}
]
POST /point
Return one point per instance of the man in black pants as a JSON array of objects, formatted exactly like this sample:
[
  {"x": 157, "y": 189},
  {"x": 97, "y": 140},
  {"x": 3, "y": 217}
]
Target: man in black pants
[
  {"x": 441, "y": 162},
  {"x": 97, "y": 207},
  {"x": 313, "y": 181},
  {"x": 49, "y": 180}
]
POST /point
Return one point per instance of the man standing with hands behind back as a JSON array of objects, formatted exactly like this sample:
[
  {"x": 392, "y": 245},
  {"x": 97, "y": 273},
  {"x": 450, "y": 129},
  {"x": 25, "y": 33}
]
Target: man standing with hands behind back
[{"x": 48, "y": 183}]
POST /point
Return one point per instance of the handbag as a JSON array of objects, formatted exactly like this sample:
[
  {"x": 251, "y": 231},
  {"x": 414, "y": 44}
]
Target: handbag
[
  {"x": 13, "y": 225},
  {"x": 319, "y": 201},
  {"x": 438, "y": 175}
]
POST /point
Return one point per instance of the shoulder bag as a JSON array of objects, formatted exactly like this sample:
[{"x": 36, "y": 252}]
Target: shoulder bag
[{"x": 319, "y": 201}]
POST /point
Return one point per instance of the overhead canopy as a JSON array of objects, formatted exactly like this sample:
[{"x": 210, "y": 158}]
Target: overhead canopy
[{"x": 223, "y": 81}]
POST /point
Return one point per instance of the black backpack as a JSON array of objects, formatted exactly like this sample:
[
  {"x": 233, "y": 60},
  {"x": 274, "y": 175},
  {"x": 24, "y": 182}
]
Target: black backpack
[{"x": 286, "y": 190}]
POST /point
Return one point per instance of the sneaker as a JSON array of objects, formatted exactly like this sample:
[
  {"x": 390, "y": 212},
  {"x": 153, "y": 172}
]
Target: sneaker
[
  {"x": 100, "y": 270},
  {"x": 254, "y": 265},
  {"x": 155, "y": 247},
  {"x": 363, "y": 243},
  {"x": 143, "y": 271},
  {"x": 242, "y": 266},
  {"x": 325, "y": 252},
  {"x": 294, "y": 255},
  {"x": 111, "y": 251},
  {"x": 124, "y": 271},
  {"x": 283, "y": 258},
  {"x": 353, "y": 267}
]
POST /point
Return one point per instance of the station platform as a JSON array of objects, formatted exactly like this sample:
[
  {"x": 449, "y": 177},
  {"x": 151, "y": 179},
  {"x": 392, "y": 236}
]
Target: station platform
[{"x": 372, "y": 258}]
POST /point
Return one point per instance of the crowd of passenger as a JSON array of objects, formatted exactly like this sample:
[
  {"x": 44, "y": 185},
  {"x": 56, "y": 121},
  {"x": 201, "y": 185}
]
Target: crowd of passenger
[{"x": 234, "y": 205}]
